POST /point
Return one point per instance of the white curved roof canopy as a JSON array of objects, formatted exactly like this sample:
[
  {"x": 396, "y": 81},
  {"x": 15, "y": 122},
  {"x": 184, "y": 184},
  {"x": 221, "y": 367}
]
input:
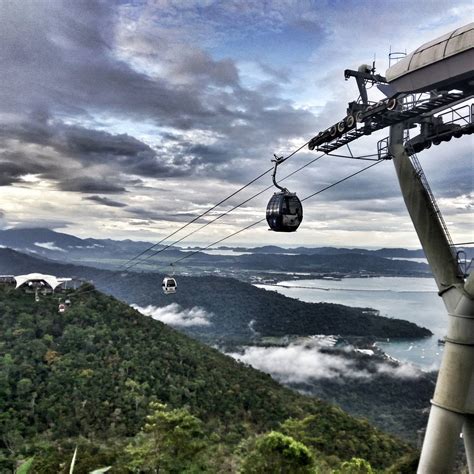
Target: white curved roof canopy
[
  {"x": 51, "y": 280},
  {"x": 444, "y": 61}
]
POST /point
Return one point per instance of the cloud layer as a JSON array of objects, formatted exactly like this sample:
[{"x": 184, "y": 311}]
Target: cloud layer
[
  {"x": 303, "y": 362},
  {"x": 174, "y": 315},
  {"x": 131, "y": 114}
]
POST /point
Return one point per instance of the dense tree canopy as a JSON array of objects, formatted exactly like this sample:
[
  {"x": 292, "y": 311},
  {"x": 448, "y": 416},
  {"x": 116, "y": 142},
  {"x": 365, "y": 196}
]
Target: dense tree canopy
[{"x": 87, "y": 377}]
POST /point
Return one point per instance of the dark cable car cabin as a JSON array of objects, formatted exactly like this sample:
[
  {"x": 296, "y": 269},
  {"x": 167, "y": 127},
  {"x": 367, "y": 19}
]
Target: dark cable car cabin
[
  {"x": 284, "y": 212},
  {"x": 169, "y": 285}
]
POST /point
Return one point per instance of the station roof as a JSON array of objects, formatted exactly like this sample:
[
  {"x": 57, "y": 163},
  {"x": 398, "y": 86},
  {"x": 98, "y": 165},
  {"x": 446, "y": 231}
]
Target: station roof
[
  {"x": 439, "y": 53},
  {"x": 50, "y": 280}
]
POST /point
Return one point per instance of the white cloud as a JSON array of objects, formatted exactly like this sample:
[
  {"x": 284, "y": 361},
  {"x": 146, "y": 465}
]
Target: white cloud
[
  {"x": 299, "y": 363},
  {"x": 402, "y": 371},
  {"x": 49, "y": 246},
  {"x": 302, "y": 362},
  {"x": 214, "y": 85},
  {"x": 174, "y": 315}
]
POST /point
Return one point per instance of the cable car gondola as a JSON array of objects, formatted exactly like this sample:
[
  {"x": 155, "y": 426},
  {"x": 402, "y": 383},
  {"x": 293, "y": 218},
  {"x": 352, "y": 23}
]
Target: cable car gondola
[
  {"x": 284, "y": 210},
  {"x": 169, "y": 285}
]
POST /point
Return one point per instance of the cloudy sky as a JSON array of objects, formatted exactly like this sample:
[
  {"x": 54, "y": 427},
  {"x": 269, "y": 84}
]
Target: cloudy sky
[{"x": 126, "y": 119}]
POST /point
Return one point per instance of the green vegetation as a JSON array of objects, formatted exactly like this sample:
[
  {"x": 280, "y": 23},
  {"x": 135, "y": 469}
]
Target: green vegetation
[
  {"x": 276, "y": 452},
  {"x": 132, "y": 393},
  {"x": 395, "y": 404},
  {"x": 235, "y": 304}
]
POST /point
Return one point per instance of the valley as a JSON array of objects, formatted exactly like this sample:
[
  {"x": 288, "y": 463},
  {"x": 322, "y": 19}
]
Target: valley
[{"x": 235, "y": 317}]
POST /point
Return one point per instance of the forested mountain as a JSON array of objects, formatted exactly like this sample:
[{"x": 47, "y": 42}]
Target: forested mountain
[
  {"x": 233, "y": 304},
  {"x": 108, "y": 253},
  {"x": 87, "y": 377},
  {"x": 385, "y": 252},
  {"x": 236, "y": 305},
  {"x": 59, "y": 246}
]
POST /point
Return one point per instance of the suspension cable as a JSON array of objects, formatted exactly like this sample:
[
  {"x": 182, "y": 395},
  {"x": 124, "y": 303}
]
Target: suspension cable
[
  {"x": 128, "y": 264},
  {"x": 223, "y": 214},
  {"x": 261, "y": 220},
  {"x": 188, "y": 255},
  {"x": 125, "y": 266}
]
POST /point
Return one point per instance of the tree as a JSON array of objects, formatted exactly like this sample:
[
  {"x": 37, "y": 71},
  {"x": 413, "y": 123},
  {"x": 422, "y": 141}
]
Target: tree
[
  {"x": 355, "y": 466},
  {"x": 277, "y": 453},
  {"x": 170, "y": 442}
]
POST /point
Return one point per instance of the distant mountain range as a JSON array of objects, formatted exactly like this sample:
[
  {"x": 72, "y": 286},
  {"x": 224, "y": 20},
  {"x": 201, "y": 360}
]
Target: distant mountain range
[
  {"x": 50, "y": 243},
  {"x": 238, "y": 309},
  {"x": 108, "y": 253},
  {"x": 385, "y": 252},
  {"x": 235, "y": 313},
  {"x": 58, "y": 246}
]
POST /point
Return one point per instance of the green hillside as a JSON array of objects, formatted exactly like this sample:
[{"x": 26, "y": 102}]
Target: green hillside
[
  {"x": 233, "y": 303},
  {"x": 87, "y": 377}
]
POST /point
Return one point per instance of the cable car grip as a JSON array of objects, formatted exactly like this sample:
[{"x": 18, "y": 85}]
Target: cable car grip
[{"x": 278, "y": 160}]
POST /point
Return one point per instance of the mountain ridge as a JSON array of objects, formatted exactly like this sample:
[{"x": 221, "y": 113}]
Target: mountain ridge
[
  {"x": 237, "y": 304},
  {"x": 103, "y": 354}
]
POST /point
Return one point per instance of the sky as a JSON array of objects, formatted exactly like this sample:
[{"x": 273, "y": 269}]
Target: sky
[{"x": 127, "y": 119}]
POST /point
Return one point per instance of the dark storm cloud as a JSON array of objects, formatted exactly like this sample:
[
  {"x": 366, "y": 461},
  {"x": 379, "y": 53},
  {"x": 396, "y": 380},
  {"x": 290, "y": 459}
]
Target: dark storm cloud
[
  {"x": 60, "y": 55},
  {"x": 105, "y": 201},
  {"x": 60, "y": 60},
  {"x": 85, "y": 145},
  {"x": 14, "y": 165},
  {"x": 123, "y": 153},
  {"x": 147, "y": 214},
  {"x": 77, "y": 150},
  {"x": 11, "y": 173},
  {"x": 85, "y": 184}
]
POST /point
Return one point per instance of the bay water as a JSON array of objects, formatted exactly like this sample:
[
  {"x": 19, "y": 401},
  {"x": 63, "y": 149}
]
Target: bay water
[{"x": 413, "y": 299}]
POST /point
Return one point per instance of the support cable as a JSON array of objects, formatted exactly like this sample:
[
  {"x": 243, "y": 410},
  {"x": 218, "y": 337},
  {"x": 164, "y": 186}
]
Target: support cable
[
  {"x": 188, "y": 255},
  {"x": 126, "y": 266},
  {"x": 261, "y": 220},
  {"x": 224, "y": 213}
]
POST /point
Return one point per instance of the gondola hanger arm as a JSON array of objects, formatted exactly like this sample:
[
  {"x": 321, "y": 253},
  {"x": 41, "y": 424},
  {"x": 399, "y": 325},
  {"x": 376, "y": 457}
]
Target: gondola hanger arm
[{"x": 278, "y": 160}]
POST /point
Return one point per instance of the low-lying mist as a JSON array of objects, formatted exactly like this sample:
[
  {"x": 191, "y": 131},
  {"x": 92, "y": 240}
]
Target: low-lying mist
[
  {"x": 303, "y": 362},
  {"x": 174, "y": 315}
]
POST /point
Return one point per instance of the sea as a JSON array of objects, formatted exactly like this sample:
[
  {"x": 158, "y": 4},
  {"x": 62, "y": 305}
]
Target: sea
[{"x": 413, "y": 299}]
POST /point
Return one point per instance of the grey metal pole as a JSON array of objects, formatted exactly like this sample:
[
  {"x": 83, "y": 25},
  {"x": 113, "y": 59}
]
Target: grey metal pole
[
  {"x": 453, "y": 401},
  {"x": 468, "y": 435}
]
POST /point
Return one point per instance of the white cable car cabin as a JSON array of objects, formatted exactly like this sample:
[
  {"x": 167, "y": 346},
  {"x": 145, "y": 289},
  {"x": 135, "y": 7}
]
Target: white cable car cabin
[
  {"x": 61, "y": 308},
  {"x": 169, "y": 285}
]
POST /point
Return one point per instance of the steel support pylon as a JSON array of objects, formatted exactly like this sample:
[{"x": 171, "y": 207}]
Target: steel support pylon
[{"x": 452, "y": 410}]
